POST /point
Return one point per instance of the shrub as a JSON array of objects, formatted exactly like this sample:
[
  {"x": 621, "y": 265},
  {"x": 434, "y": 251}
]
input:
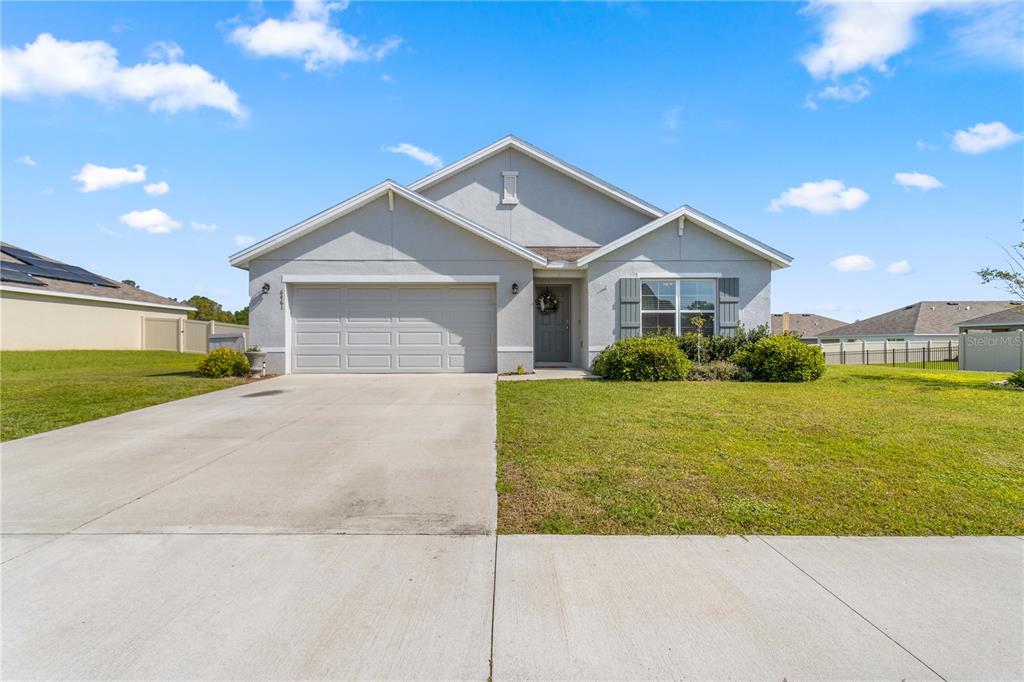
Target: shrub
[
  {"x": 1016, "y": 379},
  {"x": 643, "y": 358},
  {"x": 720, "y": 348},
  {"x": 223, "y": 362},
  {"x": 718, "y": 371},
  {"x": 782, "y": 358}
]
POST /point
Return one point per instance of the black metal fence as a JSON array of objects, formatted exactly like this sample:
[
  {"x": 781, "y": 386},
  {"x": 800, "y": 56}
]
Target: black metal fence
[{"x": 945, "y": 356}]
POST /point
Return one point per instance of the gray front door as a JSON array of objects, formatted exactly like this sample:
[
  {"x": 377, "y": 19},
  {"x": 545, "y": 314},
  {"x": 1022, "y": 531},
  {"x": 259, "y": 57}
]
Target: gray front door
[{"x": 552, "y": 332}]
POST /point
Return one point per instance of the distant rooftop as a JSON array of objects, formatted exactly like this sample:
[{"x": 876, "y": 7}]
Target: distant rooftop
[
  {"x": 923, "y": 317},
  {"x": 32, "y": 272},
  {"x": 805, "y": 325},
  {"x": 1011, "y": 316}
]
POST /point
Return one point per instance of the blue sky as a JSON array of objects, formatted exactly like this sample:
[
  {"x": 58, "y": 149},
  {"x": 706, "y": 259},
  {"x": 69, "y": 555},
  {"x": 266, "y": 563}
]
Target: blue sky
[{"x": 256, "y": 116}]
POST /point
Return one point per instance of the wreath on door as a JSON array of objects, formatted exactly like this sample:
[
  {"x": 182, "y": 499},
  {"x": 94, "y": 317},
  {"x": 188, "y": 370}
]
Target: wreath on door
[{"x": 547, "y": 302}]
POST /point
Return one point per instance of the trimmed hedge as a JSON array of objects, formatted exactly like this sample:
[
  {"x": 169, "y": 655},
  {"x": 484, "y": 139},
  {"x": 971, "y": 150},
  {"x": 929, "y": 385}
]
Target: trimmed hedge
[
  {"x": 643, "y": 358},
  {"x": 223, "y": 362},
  {"x": 720, "y": 348},
  {"x": 718, "y": 371},
  {"x": 782, "y": 358}
]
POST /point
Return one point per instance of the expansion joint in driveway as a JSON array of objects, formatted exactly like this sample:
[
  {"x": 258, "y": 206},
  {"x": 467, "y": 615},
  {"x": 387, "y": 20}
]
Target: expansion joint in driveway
[{"x": 850, "y": 607}]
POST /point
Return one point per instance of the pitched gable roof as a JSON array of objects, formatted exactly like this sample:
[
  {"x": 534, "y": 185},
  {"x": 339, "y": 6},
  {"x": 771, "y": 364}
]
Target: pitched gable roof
[
  {"x": 65, "y": 288},
  {"x": 513, "y": 142},
  {"x": 1010, "y": 316},
  {"x": 923, "y": 317},
  {"x": 717, "y": 227},
  {"x": 242, "y": 258},
  {"x": 805, "y": 325}
]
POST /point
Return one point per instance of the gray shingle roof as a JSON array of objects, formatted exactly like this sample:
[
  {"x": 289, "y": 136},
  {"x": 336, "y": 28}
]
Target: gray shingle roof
[
  {"x": 923, "y": 317},
  {"x": 120, "y": 292},
  {"x": 806, "y": 325},
  {"x": 1008, "y": 317}
]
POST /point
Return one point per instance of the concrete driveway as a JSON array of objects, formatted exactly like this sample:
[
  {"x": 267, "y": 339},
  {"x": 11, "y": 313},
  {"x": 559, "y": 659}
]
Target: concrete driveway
[
  {"x": 342, "y": 528},
  {"x": 303, "y": 527}
]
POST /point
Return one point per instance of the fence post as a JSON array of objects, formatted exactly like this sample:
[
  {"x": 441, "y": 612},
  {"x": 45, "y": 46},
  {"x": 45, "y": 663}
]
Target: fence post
[{"x": 1021, "y": 333}]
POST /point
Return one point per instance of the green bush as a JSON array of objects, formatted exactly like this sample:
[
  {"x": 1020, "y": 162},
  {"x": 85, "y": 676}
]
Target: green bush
[
  {"x": 1016, "y": 379},
  {"x": 718, "y": 371},
  {"x": 720, "y": 348},
  {"x": 223, "y": 362},
  {"x": 782, "y": 358},
  {"x": 643, "y": 358}
]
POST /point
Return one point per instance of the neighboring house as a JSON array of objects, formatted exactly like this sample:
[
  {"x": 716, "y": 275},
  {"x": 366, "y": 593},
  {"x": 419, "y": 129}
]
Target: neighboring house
[
  {"x": 49, "y": 305},
  {"x": 450, "y": 273},
  {"x": 922, "y": 321},
  {"x": 1009, "y": 319},
  {"x": 805, "y": 326}
]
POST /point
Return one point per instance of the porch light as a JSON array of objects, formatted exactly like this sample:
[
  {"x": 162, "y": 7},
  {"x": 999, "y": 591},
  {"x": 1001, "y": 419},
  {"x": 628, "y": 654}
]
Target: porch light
[
  {"x": 266, "y": 288},
  {"x": 515, "y": 288}
]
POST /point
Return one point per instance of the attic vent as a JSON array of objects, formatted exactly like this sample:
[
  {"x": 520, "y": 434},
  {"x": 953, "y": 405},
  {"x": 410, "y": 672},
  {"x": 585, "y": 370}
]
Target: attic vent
[
  {"x": 952, "y": 303},
  {"x": 509, "y": 191}
]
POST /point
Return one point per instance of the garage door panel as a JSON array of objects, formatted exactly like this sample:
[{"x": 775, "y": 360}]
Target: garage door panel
[
  {"x": 317, "y": 338},
  {"x": 448, "y": 328}
]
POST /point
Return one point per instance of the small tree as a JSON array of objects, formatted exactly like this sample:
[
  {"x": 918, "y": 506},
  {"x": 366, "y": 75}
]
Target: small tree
[
  {"x": 1011, "y": 278},
  {"x": 208, "y": 309},
  {"x": 130, "y": 282},
  {"x": 242, "y": 316},
  {"x": 699, "y": 321}
]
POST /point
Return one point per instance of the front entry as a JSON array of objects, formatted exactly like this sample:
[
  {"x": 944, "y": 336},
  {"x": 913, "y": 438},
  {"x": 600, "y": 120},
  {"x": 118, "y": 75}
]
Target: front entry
[{"x": 552, "y": 331}]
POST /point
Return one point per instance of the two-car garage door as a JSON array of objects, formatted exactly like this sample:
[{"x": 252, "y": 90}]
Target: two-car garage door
[{"x": 393, "y": 328}]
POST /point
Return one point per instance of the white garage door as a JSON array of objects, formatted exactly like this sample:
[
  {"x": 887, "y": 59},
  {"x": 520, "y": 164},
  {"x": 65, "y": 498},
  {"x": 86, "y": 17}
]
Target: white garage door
[{"x": 448, "y": 328}]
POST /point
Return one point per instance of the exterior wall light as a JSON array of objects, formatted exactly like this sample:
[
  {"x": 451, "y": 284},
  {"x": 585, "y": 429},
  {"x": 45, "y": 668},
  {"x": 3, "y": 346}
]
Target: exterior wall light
[
  {"x": 266, "y": 288},
  {"x": 515, "y": 288}
]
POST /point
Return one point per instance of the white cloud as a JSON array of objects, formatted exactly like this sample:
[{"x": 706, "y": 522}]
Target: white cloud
[
  {"x": 46, "y": 191},
  {"x": 422, "y": 155},
  {"x": 153, "y": 221},
  {"x": 921, "y": 181},
  {"x": 387, "y": 78},
  {"x": 853, "y": 263},
  {"x": 824, "y": 196},
  {"x": 244, "y": 240},
  {"x": 860, "y": 34},
  {"x": 91, "y": 69},
  {"x": 925, "y": 147},
  {"x": 26, "y": 160},
  {"x": 307, "y": 34},
  {"x": 852, "y": 92},
  {"x": 95, "y": 177},
  {"x": 857, "y": 35},
  {"x": 203, "y": 227},
  {"x": 157, "y": 188},
  {"x": 900, "y": 267},
  {"x": 984, "y": 137},
  {"x": 165, "y": 51}
]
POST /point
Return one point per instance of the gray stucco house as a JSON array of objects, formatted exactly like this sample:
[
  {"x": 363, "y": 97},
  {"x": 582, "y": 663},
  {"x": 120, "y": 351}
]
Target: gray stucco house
[{"x": 450, "y": 273}]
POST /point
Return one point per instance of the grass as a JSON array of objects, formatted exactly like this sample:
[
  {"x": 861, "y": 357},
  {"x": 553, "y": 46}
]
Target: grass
[
  {"x": 45, "y": 390},
  {"x": 863, "y": 451}
]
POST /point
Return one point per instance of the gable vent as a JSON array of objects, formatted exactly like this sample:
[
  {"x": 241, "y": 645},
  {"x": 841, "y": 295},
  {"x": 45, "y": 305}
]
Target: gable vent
[{"x": 509, "y": 189}]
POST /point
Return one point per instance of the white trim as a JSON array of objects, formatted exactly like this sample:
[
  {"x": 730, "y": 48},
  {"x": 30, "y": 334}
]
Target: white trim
[
  {"x": 557, "y": 273},
  {"x": 596, "y": 349},
  {"x": 242, "y": 258},
  {"x": 287, "y": 312},
  {"x": 680, "y": 275},
  {"x": 515, "y": 349},
  {"x": 389, "y": 279},
  {"x": 733, "y": 235},
  {"x": 105, "y": 299},
  {"x": 274, "y": 349},
  {"x": 510, "y": 141}
]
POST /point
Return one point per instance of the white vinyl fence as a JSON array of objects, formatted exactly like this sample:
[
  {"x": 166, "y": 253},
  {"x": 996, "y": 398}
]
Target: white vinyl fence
[
  {"x": 191, "y": 336},
  {"x": 992, "y": 351}
]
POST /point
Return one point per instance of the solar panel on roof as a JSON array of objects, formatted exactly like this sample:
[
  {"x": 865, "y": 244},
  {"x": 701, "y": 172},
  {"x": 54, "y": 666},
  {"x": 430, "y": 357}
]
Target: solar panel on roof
[
  {"x": 40, "y": 267},
  {"x": 11, "y": 275}
]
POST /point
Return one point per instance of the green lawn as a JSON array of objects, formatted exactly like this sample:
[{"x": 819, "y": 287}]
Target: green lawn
[
  {"x": 45, "y": 390},
  {"x": 863, "y": 451}
]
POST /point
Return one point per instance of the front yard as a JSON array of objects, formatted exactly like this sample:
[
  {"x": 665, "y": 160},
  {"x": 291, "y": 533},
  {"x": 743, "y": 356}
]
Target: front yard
[
  {"x": 45, "y": 390},
  {"x": 863, "y": 451}
]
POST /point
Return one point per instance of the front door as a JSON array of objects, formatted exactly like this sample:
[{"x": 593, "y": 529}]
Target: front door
[{"x": 552, "y": 331}]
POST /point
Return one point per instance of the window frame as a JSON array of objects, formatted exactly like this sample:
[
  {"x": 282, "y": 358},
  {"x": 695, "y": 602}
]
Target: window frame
[{"x": 676, "y": 311}]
